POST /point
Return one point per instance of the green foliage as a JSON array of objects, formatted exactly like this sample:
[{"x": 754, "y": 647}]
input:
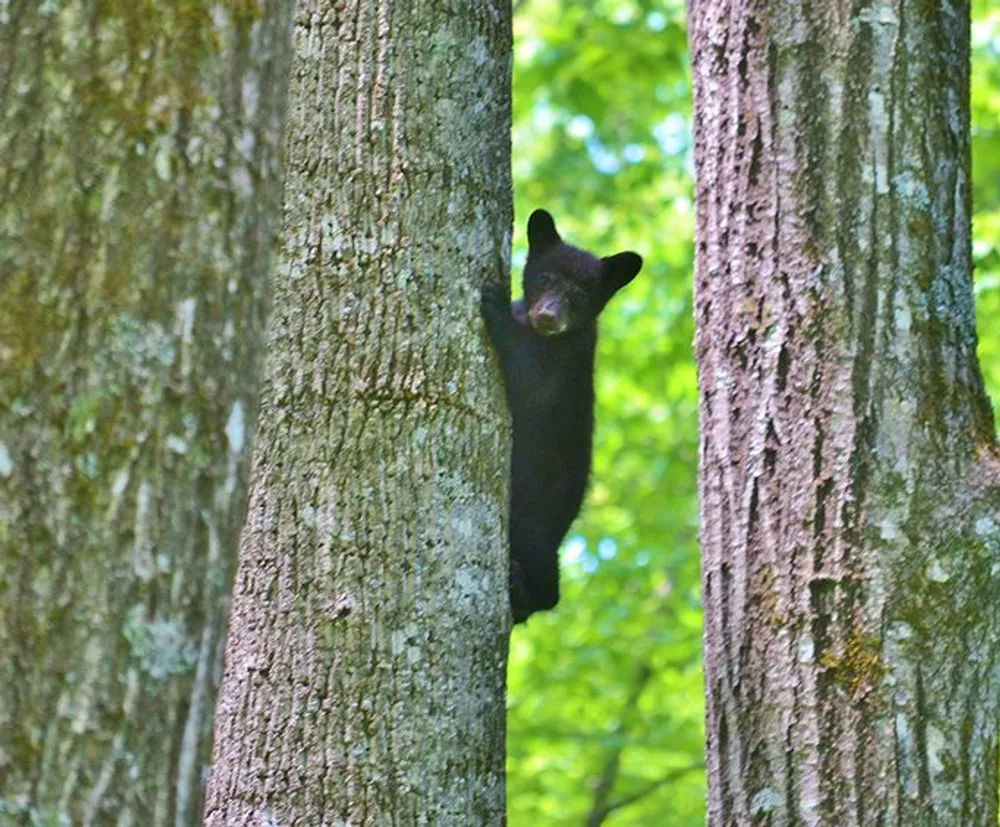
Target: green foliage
[
  {"x": 986, "y": 186},
  {"x": 602, "y": 139}
]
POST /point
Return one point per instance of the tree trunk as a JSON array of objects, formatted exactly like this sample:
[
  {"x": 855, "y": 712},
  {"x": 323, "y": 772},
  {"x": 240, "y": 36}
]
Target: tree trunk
[
  {"x": 850, "y": 482},
  {"x": 364, "y": 680},
  {"x": 139, "y": 150}
]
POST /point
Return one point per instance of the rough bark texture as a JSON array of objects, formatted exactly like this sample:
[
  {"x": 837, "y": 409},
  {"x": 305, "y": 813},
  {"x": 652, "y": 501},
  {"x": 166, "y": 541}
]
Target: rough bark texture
[
  {"x": 139, "y": 148},
  {"x": 849, "y": 470},
  {"x": 364, "y": 680}
]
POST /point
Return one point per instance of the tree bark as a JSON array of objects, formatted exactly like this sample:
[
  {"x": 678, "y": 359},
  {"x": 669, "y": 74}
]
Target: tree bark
[
  {"x": 139, "y": 150},
  {"x": 364, "y": 680},
  {"x": 850, "y": 477}
]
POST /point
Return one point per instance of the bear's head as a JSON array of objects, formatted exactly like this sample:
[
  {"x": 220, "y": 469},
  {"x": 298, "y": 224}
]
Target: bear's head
[{"x": 566, "y": 288}]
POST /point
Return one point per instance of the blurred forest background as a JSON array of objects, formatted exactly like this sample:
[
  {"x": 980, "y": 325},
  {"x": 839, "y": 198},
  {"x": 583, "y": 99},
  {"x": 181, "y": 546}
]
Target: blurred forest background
[{"x": 605, "y": 723}]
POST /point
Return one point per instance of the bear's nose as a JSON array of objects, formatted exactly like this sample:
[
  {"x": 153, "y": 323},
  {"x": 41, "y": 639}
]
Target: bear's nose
[
  {"x": 546, "y": 318},
  {"x": 546, "y": 323}
]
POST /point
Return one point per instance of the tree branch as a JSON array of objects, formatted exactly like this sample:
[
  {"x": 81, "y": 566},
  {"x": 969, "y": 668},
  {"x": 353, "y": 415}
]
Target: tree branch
[
  {"x": 600, "y": 807},
  {"x": 651, "y": 787}
]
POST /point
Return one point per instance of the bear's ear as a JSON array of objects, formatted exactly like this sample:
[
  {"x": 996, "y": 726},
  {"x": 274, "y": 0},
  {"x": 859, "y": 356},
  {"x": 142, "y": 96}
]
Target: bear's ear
[
  {"x": 620, "y": 269},
  {"x": 542, "y": 232}
]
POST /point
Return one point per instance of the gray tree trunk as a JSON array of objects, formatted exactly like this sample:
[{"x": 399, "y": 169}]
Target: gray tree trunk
[
  {"x": 850, "y": 477},
  {"x": 139, "y": 151},
  {"x": 364, "y": 680}
]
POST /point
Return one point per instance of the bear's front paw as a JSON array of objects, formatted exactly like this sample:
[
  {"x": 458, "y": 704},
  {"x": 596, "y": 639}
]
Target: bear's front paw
[{"x": 494, "y": 301}]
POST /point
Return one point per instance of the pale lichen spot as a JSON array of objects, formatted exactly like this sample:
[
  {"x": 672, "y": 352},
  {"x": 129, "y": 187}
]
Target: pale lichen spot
[
  {"x": 807, "y": 649},
  {"x": 465, "y": 583},
  {"x": 936, "y": 745},
  {"x": 808, "y": 807},
  {"x": 888, "y": 530},
  {"x": 912, "y": 188},
  {"x": 479, "y": 51},
  {"x": 937, "y": 572},
  {"x": 414, "y": 654},
  {"x": 882, "y": 15},
  {"x": 903, "y": 316},
  {"x": 161, "y": 646},
  {"x": 986, "y": 528},
  {"x": 241, "y": 183},
  {"x": 163, "y": 161},
  {"x": 398, "y": 642},
  {"x": 193, "y": 148},
  {"x": 236, "y": 428},
  {"x": 185, "y": 317},
  {"x": 176, "y": 444},
  {"x": 6, "y": 463},
  {"x": 245, "y": 143},
  {"x": 902, "y": 728},
  {"x": 121, "y": 482},
  {"x": 900, "y": 631},
  {"x": 110, "y": 192},
  {"x": 250, "y": 94},
  {"x": 765, "y": 801},
  {"x": 220, "y": 16}
]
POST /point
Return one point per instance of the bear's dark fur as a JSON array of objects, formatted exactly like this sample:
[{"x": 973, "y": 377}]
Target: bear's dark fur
[{"x": 546, "y": 345}]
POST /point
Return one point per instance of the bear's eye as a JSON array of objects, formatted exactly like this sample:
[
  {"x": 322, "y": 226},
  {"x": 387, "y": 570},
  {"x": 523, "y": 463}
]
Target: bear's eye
[{"x": 541, "y": 284}]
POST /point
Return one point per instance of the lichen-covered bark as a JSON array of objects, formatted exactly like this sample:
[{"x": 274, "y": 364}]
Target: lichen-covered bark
[
  {"x": 139, "y": 149},
  {"x": 364, "y": 679},
  {"x": 850, "y": 491}
]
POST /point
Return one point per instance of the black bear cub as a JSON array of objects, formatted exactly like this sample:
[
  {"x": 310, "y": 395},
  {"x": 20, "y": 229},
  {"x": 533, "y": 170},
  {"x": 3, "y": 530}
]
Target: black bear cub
[{"x": 546, "y": 345}]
